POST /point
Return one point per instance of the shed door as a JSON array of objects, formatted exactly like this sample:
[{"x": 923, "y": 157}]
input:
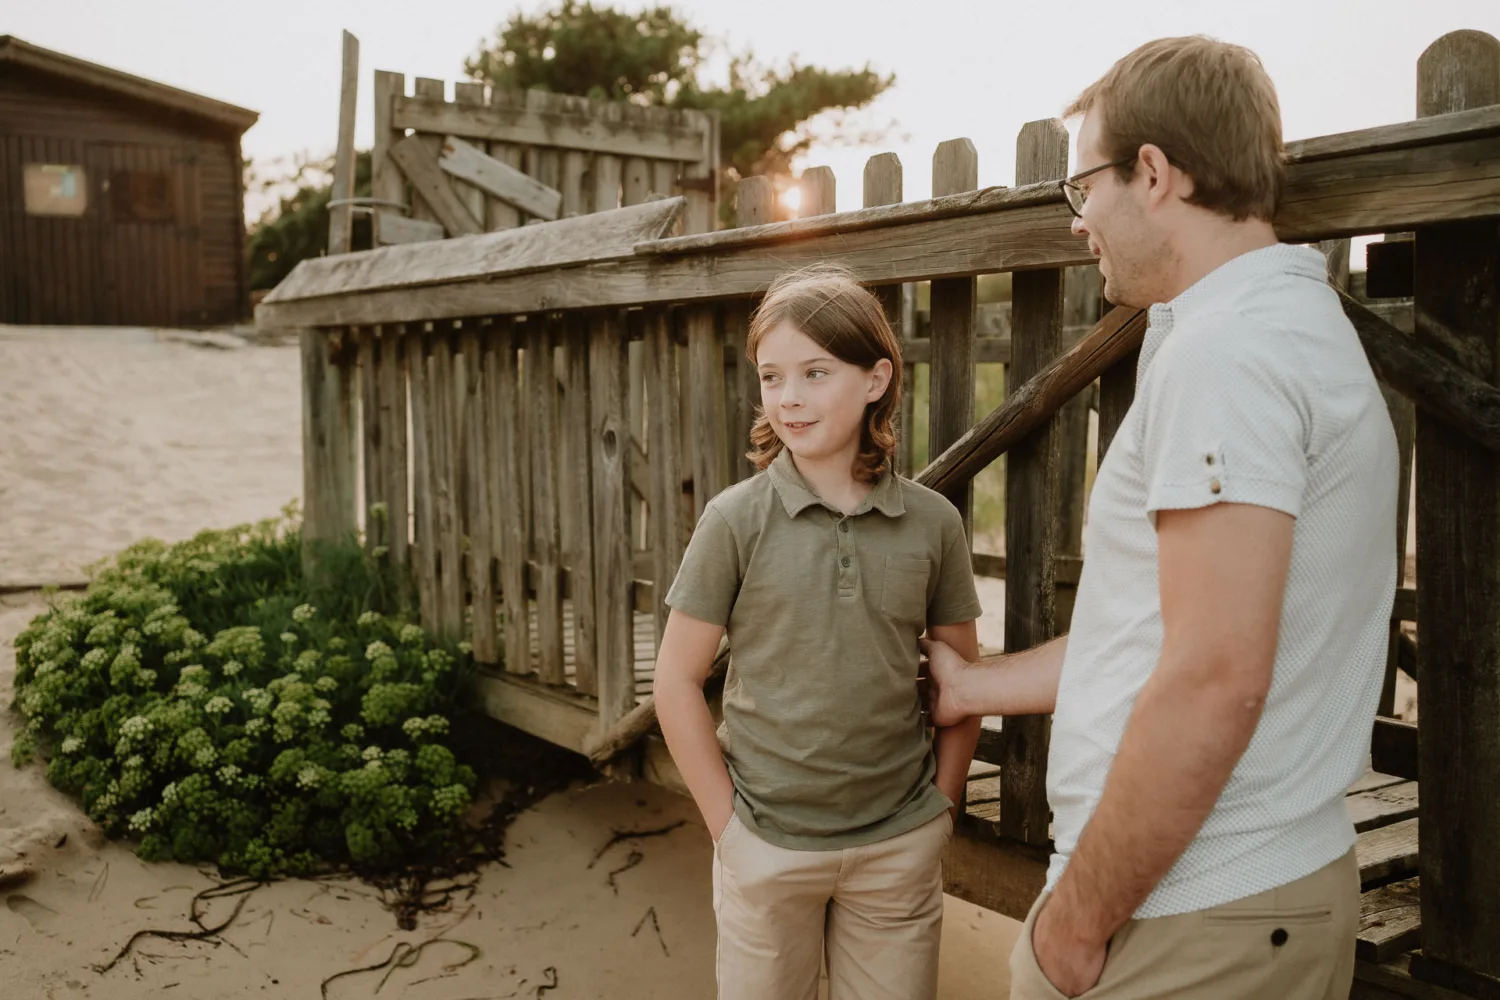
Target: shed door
[{"x": 152, "y": 259}]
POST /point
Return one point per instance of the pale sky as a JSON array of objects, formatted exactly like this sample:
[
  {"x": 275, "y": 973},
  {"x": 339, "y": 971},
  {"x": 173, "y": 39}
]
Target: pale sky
[{"x": 977, "y": 69}]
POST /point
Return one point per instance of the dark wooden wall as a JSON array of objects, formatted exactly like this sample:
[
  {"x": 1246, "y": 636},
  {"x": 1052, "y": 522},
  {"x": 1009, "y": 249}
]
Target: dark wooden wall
[{"x": 162, "y": 240}]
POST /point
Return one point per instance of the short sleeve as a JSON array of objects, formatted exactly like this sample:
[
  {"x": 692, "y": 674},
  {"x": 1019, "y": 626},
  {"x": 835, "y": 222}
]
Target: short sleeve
[
  {"x": 708, "y": 581},
  {"x": 954, "y": 598},
  {"x": 1227, "y": 421}
]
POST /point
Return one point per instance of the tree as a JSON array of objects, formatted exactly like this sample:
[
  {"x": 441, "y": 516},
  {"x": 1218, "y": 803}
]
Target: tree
[
  {"x": 298, "y": 228},
  {"x": 656, "y": 58}
]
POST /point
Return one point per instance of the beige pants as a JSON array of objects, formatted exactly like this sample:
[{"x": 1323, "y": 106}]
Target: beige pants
[
  {"x": 877, "y": 910},
  {"x": 1291, "y": 943}
]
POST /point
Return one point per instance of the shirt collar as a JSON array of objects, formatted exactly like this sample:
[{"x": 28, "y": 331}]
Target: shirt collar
[
  {"x": 796, "y": 496},
  {"x": 1216, "y": 285}
]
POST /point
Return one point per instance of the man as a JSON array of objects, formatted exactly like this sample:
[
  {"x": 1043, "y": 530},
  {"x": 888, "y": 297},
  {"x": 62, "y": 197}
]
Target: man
[{"x": 1217, "y": 692}]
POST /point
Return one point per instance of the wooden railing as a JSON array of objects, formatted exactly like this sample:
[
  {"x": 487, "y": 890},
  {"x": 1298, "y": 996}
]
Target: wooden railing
[{"x": 550, "y": 508}]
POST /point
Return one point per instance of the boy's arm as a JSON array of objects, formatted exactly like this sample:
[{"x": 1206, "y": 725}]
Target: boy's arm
[
  {"x": 683, "y": 663},
  {"x": 954, "y": 745}
]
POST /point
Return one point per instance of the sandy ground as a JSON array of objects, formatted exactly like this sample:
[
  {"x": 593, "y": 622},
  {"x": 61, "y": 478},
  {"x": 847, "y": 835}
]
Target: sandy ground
[{"x": 114, "y": 435}]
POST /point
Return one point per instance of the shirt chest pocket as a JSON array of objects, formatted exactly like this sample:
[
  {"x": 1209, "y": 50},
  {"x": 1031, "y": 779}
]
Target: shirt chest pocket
[{"x": 903, "y": 594}]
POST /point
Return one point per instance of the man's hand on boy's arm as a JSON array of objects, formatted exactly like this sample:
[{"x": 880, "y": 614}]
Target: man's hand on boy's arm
[
  {"x": 955, "y": 741},
  {"x": 683, "y": 663},
  {"x": 1023, "y": 683}
]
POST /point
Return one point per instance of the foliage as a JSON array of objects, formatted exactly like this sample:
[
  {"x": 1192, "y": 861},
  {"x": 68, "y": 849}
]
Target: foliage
[
  {"x": 654, "y": 57},
  {"x": 298, "y": 228},
  {"x": 208, "y": 699}
]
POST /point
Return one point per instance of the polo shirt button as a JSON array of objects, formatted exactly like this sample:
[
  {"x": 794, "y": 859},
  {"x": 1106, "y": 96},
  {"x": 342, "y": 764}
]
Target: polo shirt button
[
  {"x": 844, "y": 561},
  {"x": 843, "y": 525},
  {"x": 1278, "y": 937},
  {"x": 1214, "y": 486}
]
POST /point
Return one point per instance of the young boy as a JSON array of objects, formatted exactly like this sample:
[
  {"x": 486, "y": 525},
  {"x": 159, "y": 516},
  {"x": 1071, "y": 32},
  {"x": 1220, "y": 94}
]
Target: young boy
[{"x": 828, "y": 802}]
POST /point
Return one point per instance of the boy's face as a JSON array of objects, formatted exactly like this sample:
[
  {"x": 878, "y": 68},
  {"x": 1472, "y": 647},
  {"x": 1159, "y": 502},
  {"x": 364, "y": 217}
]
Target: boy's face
[{"x": 815, "y": 402}]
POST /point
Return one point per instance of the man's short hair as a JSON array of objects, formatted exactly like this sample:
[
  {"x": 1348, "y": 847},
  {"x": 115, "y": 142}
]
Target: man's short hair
[{"x": 1210, "y": 107}]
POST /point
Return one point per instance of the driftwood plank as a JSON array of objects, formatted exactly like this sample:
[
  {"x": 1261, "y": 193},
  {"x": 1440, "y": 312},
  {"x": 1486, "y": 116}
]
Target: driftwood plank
[
  {"x": 341, "y": 217},
  {"x": 955, "y": 167},
  {"x": 370, "y": 451},
  {"x": 1382, "y": 806},
  {"x": 601, "y": 236},
  {"x": 1031, "y": 503},
  {"x": 393, "y": 229},
  {"x": 549, "y": 127},
  {"x": 391, "y": 378},
  {"x": 467, "y": 93},
  {"x": 578, "y": 491},
  {"x": 425, "y": 540},
  {"x": 1390, "y": 921},
  {"x": 541, "y": 386},
  {"x": 479, "y": 481},
  {"x": 385, "y": 179},
  {"x": 329, "y": 449},
  {"x": 666, "y": 477},
  {"x": 1387, "y": 852},
  {"x": 446, "y": 483},
  {"x": 499, "y": 180},
  {"x": 818, "y": 193},
  {"x": 508, "y": 450},
  {"x": 706, "y": 383},
  {"x": 415, "y": 160},
  {"x": 609, "y": 445},
  {"x": 430, "y": 89}
]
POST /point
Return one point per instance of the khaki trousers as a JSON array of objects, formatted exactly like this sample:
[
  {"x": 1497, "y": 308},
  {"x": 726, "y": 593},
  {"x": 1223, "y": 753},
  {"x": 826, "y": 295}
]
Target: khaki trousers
[
  {"x": 1295, "y": 942},
  {"x": 876, "y": 912}
]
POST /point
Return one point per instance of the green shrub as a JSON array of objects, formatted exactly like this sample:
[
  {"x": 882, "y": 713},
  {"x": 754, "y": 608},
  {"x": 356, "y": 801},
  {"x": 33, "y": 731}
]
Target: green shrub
[{"x": 208, "y": 699}]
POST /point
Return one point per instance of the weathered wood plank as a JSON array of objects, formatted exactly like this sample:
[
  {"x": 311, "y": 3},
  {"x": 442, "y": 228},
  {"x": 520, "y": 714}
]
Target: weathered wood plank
[
  {"x": 1382, "y": 806},
  {"x": 385, "y": 179},
  {"x": 1390, "y": 921},
  {"x": 508, "y": 450},
  {"x": 1393, "y": 747},
  {"x": 1457, "y": 305},
  {"x": 370, "y": 451},
  {"x": 755, "y": 203},
  {"x": 609, "y": 423},
  {"x": 479, "y": 481},
  {"x": 701, "y": 175},
  {"x": 1118, "y": 334},
  {"x": 706, "y": 384},
  {"x": 600, "y": 236},
  {"x": 883, "y": 180},
  {"x": 329, "y": 451},
  {"x": 1404, "y": 420},
  {"x": 341, "y": 217},
  {"x": 955, "y": 167},
  {"x": 430, "y": 89},
  {"x": 1474, "y": 123},
  {"x": 500, "y": 214},
  {"x": 391, "y": 380},
  {"x": 558, "y": 715},
  {"x": 578, "y": 478},
  {"x": 1032, "y": 498},
  {"x": 499, "y": 180},
  {"x": 425, "y": 535},
  {"x": 997, "y": 874},
  {"x": 550, "y": 127},
  {"x": 1393, "y": 980},
  {"x": 541, "y": 385},
  {"x": 471, "y": 94},
  {"x": 393, "y": 229},
  {"x": 1387, "y": 852},
  {"x": 666, "y": 477},
  {"x": 818, "y": 190},
  {"x": 447, "y": 484},
  {"x": 415, "y": 161}
]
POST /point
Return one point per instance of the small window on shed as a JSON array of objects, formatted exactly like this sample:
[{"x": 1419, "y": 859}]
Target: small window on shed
[
  {"x": 141, "y": 196},
  {"x": 55, "y": 189}
]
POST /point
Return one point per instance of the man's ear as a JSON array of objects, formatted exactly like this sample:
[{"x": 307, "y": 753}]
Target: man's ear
[{"x": 1163, "y": 181}]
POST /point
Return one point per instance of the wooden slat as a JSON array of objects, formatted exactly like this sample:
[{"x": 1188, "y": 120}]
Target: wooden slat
[
  {"x": 498, "y": 179},
  {"x": 1031, "y": 493},
  {"x": 1387, "y": 852},
  {"x": 609, "y": 445},
  {"x": 447, "y": 483},
  {"x": 543, "y": 126},
  {"x": 370, "y": 450},
  {"x": 415, "y": 160},
  {"x": 1472, "y": 123},
  {"x": 392, "y": 229},
  {"x": 1393, "y": 980},
  {"x": 425, "y": 538},
  {"x": 701, "y": 175},
  {"x": 385, "y": 179},
  {"x": 1404, "y": 421},
  {"x": 471, "y": 94},
  {"x": 664, "y": 178},
  {"x": 508, "y": 451},
  {"x": 1390, "y": 921},
  {"x": 755, "y": 203},
  {"x": 328, "y": 442},
  {"x": 1372, "y": 780},
  {"x": 341, "y": 217},
  {"x": 818, "y": 190},
  {"x": 1382, "y": 806},
  {"x": 578, "y": 491},
  {"x": 602, "y": 236},
  {"x": 575, "y": 167},
  {"x": 479, "y": 481},
  {"x": 666, "y": 477},
  {"x": 706, "y": 384},
  {"x": 541, "y": 385},
  {"x": 955, "y": 168},
  {"x": 1393, "y": 747},
  {"x": 391, "y": 380},
  {"x": 429, "y": 89},
  {"x": 882, "y": 179},
  {"x": 500, "y": 214}
]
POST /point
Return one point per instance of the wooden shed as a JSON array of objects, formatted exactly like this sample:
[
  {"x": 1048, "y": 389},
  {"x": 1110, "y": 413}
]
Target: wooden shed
[{"x": 121, "y": 199}]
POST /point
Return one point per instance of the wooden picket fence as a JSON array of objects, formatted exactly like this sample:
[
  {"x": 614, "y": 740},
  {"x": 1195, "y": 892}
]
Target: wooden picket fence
[{"x": 496, "y": 368}]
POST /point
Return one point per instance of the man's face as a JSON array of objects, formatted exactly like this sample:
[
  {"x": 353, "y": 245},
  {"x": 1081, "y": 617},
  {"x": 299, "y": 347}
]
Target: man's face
[{"x": 1130, "y": 249}]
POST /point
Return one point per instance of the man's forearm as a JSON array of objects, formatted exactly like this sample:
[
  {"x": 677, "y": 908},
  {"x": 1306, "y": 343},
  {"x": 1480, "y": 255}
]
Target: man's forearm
[
  {"x": 1022, "y": 683},
  {"x": 1185, "y": 735}
]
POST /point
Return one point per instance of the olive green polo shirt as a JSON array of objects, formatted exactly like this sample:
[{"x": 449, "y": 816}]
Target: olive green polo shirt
[{"x": 822, "y": 730}]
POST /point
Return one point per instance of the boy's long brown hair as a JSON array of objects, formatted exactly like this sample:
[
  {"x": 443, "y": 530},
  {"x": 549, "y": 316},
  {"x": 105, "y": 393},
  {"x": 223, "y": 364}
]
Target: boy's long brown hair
[{"x": 827, "y": 305}]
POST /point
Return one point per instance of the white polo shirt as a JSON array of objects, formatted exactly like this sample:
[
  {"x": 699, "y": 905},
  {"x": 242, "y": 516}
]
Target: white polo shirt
[{"x": 1252, "y": 388}]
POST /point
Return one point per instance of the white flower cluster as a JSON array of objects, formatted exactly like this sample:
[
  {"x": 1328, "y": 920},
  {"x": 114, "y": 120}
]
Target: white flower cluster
[
  {"x": 229, "y": 774},
  {"x": 371, "y": 753},
  {"x": 72, "y": 745},
  {"x": 303, "y": 613},
  {"x": 135, "y": 727},
  {"x": 369, "y": 618},
  {"x": 289, "y": 637},
  {"x": 377, "y": 649},
  {"x": 327, "y": 685},
  {"x": 412, "y": 635},
  {"x": 310, "y": 777},
  {"x": 205, "y": 758},
  {"x": 141, "y": 821},
  {"x": 218, "y": 705},
  {"x": 433, "y": 725},
  {"x": 233, "y": 668}
]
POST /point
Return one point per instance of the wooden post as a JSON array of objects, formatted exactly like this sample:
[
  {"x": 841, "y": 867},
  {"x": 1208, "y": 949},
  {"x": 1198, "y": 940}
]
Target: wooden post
[
  {"x": 955, "y": 168},
  {"x": 341, "y": 217},
  {"x": 883, "y": 187},
  {"x": 479, "y": 483},
  {"x": 1457, "y": 291},
  {"x": 508, "y": 442},
  {"x": 754, "y": 205},
  {"x": 610, "y": 447},
  {"x": 578, "y": 493},
  {"x": 1031, "y": 492},
  {"x": 819, "y": 192},
  {"x": 666, "y": 475},
  {"x": 385, "y": 179},
  {"x": 328, "y": 443}
]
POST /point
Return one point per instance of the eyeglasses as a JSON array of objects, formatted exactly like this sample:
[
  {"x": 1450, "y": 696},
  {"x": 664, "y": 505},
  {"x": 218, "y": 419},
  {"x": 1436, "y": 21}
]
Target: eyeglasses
[{"x": 1076, "y": 195}]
